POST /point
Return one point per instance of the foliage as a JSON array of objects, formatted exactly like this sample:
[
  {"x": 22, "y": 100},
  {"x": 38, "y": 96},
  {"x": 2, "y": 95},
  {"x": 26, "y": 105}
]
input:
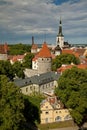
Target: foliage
[
  {"x": 72, "y": 90},
  {"x": 10, "y": 70},
  {"x": 28, "y": 60},
  {"x": 19, "y": 49},
  {"x": 6, "y": 69},
  {"x": 11, "y": 105},
  {"x": 64, "y": 59},
  {"x": 31, "y": 111},
  {"x": 18, "y": 69},
  {"x": 36, "y": 99},
  {"x": 16, "y": 111}
]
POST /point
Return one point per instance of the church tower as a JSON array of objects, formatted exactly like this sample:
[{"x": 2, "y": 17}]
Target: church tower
[{"x": 60, "y": 36}]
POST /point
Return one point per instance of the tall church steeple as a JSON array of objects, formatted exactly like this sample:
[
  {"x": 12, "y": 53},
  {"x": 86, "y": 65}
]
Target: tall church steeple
[
  {"x": 60, "y": 28},
  {"x": 60, "y": 36}
]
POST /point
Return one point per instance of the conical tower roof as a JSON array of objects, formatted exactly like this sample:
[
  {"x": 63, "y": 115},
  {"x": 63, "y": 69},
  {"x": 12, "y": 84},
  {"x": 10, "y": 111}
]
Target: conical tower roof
[
  {"x": 44, "y": 52},
  {"x": 60, "y": 28}
]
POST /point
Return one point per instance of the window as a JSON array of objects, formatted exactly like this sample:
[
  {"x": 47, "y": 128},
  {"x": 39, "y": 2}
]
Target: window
[
  {"x": 26, "y": 89},
  {"x": 58, "y": 118},
  {"x": 46, "y": 112},
  {"x": 58, "y": 106},
  {"x": 30, "y": 88}
]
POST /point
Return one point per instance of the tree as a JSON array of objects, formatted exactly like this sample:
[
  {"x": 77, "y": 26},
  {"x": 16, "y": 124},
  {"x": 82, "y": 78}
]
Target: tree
[
  {"x": 28, "y": 60},
  {"x": 16, "y": 111},
  {"x": 72, "y": 91},
  {"x": 11, "y": 105},
  {"x": 64, "y": 59},
  {"x": 19, "y": 49},
  {"x": 18, "y": 69},
  {"x": 6, "y": 69}
]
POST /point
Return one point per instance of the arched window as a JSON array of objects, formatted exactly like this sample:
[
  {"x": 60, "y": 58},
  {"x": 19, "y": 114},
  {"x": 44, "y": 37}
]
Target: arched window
[{"x": 58, "y": 118}]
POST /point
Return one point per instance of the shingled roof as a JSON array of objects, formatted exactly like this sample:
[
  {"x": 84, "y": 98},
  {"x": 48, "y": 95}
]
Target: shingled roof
[
  {"x": 44, "y": 52},
  {"x": 37, "y": 79}
]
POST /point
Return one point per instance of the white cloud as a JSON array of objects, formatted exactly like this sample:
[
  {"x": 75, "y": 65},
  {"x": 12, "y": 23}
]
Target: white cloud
[{"x": 25, "y": 17}]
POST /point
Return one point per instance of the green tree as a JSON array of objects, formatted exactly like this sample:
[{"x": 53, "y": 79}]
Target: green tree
[
  {"x": 72, "y": 90},
  {"x": 31, "y": 111},
  {"x": 64, "y": 59},
  {"x": 16, "y": 111},
  {"x": 28, "y": 60},
  {"x": 19, "y": 49},
  {"x": 6, "y": 69},
  {"x": 11, "y": 105},
  {"x": 18, "y": 69}
]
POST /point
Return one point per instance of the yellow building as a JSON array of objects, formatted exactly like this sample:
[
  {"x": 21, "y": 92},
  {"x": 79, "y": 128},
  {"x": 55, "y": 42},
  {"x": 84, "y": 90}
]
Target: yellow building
[{"x": 52, "y": 110}]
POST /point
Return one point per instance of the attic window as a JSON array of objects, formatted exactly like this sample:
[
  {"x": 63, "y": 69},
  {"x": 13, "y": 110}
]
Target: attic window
[
  {"x": 46, "y": 112},
  {"x": 25, "y": 82}
]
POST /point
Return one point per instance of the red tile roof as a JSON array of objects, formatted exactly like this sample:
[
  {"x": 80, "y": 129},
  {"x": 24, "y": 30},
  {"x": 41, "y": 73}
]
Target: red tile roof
[
  {"x": 44, "y": 52},
  {"x": 64, "y": 67},
  {"x": 82, "y": 66},
  {"x": 69, "y": 51},
  {"x": 4, "y": 48},
  {"x": 17, "y": 57}
]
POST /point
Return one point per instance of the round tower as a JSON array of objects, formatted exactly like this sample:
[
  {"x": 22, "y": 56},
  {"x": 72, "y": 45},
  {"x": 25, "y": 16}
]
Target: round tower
[{"x": 44, "y": 59}]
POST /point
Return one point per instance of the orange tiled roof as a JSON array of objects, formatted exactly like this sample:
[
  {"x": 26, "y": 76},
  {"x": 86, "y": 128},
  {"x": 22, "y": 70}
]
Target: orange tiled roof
[
  {"x": 82, "y": 66},
  {"x": 35, "y": 58},
  {"x": 64, "y": 67},
  {"x": 69, "y": 51},
  {"x": 80, "y": 51},
  {"x": 17, "y": 57},
  {"x": 44, "y": 52}
]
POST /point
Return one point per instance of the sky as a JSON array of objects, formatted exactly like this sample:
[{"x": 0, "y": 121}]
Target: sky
[{"x": 22, "y": 19}]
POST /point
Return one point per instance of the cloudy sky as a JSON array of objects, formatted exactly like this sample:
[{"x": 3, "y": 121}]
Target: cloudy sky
[{"x": 22, "y": 19}]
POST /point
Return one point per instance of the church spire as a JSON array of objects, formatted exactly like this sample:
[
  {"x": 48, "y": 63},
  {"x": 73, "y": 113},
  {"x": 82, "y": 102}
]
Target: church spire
[
  {"x": 60, "y": 28},
  {"x": 60, "y": 36}
]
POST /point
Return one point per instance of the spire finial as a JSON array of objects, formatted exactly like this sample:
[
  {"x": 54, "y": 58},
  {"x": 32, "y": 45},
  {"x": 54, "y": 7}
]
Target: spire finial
[{"x": 60, "y": 20}]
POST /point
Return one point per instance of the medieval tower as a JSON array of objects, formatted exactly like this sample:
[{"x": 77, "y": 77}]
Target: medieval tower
[
  {"x": 60, "y": 36},
  {"x": 44, "y": 59}
]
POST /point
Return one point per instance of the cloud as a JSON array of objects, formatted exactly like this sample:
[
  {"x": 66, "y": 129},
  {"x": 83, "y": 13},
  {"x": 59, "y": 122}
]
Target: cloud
[{"x": 21, "y": 19}]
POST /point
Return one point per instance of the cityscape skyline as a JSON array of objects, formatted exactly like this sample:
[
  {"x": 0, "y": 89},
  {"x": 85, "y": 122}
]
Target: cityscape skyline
[{"x": 20, "y": 20}]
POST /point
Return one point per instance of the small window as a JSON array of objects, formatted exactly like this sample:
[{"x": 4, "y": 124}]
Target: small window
[
  {"x": 26, "y": 89},
  {"x": 47, "y": 112},
  {"x": 30, "y": 88}
]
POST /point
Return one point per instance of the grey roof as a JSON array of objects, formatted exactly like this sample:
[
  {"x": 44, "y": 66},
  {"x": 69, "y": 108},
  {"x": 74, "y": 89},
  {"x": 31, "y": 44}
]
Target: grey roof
[{"x": 37, "y": 79}]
